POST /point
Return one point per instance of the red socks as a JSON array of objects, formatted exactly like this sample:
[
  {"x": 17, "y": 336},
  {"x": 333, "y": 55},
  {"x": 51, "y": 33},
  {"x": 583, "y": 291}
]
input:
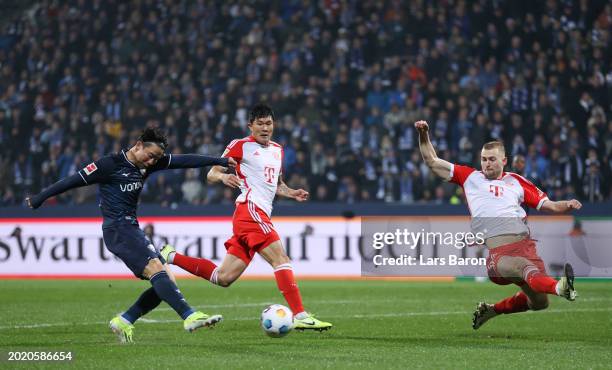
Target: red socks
[
  {"x": 516, "y": 303},
  {"x": 283, "y": 273},
  {"x": 538, "y": 281},
  {"x": 288, "y": 287},
  {"x": 198, "y": 266}
]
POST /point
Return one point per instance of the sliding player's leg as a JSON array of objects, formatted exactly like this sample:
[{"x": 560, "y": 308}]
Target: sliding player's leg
[
  {"x": 275, "y": 255},
  {"x": 520, "y": 269},
  {"x": 532, "y": 272},
  {"x": 526, "y": 299},
  {"x": 529, "y": 273}
]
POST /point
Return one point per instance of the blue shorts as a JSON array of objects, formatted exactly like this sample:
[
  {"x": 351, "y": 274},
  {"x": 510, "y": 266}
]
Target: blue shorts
[{"x": 128, "y": 242}]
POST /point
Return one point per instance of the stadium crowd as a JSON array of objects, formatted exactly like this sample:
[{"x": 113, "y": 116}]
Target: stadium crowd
[{"x": 347, "y": 80}]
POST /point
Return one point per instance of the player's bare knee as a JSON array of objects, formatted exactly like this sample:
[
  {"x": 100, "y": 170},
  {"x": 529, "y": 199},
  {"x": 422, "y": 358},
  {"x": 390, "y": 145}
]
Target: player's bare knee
[
  {"x": 224, "y": 280},
  {"x": 280, "y": 259}
]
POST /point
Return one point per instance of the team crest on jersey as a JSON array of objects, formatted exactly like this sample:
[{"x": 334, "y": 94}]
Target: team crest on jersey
[
  {"x": 276, "y": 155},
  {"x": 90, "y": 168}
]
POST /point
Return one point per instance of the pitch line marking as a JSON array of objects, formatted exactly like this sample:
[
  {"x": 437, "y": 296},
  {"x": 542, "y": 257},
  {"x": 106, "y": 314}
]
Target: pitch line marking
[{"x": 356, "y": 316}]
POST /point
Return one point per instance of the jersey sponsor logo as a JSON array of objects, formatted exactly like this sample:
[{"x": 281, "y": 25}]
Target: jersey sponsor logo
[
  {"x": 90, "y": 168},
  {"x": 126, "y": 174},
  {"x": 131, "y": 186},
  {"x": 498, "y": 191},
  {"x": 269, "y": 174}
]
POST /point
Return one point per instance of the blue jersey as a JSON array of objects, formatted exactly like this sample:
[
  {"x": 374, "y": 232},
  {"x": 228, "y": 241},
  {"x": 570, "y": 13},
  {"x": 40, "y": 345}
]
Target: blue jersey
[
  {"x": 121, "y": 181},
  {"x": 120, "y": 184}
]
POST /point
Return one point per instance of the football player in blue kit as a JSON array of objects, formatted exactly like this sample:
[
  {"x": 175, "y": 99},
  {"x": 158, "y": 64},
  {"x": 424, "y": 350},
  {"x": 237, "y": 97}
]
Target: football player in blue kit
[{"x": 120, "y": 177}]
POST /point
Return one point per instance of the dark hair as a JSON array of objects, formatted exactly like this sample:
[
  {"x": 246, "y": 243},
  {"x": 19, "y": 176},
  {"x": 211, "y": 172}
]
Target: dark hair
[
  {"x": 153, "y": 135},
  {"x": 260, "y": 110}
]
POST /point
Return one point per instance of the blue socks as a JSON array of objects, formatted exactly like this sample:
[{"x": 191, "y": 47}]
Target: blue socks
[
  {"x": 147, "y": 301},
  {"x": 169, "y": 293}
]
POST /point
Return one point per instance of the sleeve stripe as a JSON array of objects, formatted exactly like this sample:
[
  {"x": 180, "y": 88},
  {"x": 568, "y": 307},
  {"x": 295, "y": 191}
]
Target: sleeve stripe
[
  {"x": 83, "y": 177},
  {"x": 230, "y": 145},
  {"x": 169, "y": 160},
  {"x": 541, "y": 203},
  {"x": 452, "y": 172}
]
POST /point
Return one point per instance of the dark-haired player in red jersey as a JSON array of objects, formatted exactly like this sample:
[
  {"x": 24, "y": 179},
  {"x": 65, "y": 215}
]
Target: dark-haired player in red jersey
[
  {"x": 494, "y": 199},
  {"x": 259, "y": 180}
]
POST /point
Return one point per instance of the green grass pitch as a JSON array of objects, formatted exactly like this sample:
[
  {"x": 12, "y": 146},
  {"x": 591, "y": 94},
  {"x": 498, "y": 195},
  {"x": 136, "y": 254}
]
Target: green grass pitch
[{"x": 378, "y": 324}]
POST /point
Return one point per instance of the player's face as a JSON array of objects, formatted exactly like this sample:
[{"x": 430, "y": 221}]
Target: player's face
[
  {"x": 147, "y": 155},
  {"x": 261, "y": 129},
  {"x": 492, "y": 162}
]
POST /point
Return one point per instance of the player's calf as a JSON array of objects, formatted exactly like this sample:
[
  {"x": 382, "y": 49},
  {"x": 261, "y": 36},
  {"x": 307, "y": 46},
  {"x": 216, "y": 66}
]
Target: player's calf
[{"x": 538, "y": 305}]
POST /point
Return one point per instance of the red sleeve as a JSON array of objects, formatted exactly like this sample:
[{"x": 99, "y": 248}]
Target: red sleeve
[
  {"x": 532, "y": 196},
  {"x": 460, "y": 173},
  {"x": 234, "y": 150}
]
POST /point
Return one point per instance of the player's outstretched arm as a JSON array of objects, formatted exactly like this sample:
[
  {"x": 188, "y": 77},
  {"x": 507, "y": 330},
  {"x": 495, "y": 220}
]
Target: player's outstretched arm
[
  {"x": 561, "y": 206},
  {"x": 283, "y": 190},
  {"x": 65, "y": 184},
  {"x": 217, "y": 174},
  {"x": 172, "y": 161},
  {"x": 438, "y": 166},
  {"x": 94, "y": 173}
]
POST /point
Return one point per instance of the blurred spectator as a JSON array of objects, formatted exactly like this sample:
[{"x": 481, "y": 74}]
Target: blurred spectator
[{"x": 346, "y": 79}]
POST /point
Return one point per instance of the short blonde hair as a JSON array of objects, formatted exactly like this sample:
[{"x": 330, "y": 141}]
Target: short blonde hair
[{"x": 495, "y": 145}]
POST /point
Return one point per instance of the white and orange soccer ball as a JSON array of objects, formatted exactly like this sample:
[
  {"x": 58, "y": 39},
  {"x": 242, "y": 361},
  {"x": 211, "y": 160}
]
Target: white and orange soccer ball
[{"x": 277, "y": 320}]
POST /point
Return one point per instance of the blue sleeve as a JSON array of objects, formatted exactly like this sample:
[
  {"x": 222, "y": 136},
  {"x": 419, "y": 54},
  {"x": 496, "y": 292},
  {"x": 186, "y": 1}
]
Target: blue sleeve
[
  {"x": 67, "y": 183},
  {"x": 94, "y": 172},
  {"x": 171, "y": 161},
  {"x": 98, "y": 171}
]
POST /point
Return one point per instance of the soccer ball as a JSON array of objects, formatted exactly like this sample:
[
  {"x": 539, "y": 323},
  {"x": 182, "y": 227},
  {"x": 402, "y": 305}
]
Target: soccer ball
[{"x": 276, "y": 320}]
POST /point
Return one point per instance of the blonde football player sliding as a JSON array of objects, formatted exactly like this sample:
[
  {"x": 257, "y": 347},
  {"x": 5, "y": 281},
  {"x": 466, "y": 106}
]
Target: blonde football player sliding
[
  {"x": 259, "y": 178},
  {"x": 494, "y": 199}
]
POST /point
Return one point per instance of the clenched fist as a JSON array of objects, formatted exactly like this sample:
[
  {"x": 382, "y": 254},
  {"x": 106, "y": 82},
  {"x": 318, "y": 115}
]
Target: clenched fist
[{"x": 421, "y": 126}]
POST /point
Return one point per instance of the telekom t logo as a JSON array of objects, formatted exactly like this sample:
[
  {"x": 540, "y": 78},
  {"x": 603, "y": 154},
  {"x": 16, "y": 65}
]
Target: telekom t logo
[
  {"x": 498, "y": 191},
  {"x": 269, "y": 174}
]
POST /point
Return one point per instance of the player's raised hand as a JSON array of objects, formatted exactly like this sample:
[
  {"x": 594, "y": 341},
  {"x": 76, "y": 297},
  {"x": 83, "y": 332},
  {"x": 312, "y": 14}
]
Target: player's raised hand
[
  {"x": 574, "y": 204},
  {"x": 231, "y": 162},
  {"x": 231, "y": 180},
  {"x": 421, "y": 126},
  {"x": 300, "y": 195}
]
